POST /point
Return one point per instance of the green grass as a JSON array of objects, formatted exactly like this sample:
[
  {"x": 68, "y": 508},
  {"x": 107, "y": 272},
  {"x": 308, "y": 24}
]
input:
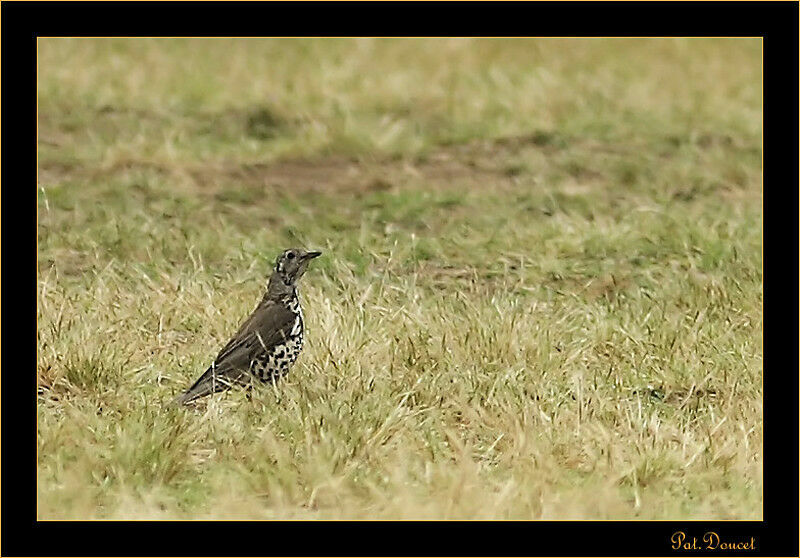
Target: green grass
[{"x": 540, "y": 295}]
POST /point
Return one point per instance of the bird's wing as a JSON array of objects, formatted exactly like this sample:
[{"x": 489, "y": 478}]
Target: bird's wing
[
  {"x": 266, "y": 327},
  {"x": 269, "y": 325}
]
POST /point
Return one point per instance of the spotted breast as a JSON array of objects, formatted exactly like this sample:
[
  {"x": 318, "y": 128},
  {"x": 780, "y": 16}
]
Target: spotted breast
[{"x": 279, "y": 359}]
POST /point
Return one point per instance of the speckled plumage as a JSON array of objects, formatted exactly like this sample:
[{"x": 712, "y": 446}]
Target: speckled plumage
[
  {"x": 276, "y": 361},
  {"x": 269, "y": 341}
]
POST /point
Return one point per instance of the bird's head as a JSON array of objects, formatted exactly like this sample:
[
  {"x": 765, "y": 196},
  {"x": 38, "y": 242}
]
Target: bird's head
[{"x": 290, "y": 265}]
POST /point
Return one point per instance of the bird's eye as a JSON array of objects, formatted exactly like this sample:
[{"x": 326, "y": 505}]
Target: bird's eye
[{"x": 290, "y": 255}]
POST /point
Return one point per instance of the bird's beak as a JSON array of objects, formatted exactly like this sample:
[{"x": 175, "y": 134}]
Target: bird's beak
[{"x": 312, "y": 255}]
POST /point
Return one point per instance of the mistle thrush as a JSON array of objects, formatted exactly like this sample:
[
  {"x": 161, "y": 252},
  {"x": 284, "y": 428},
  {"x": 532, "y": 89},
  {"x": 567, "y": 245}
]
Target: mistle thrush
[{"x": 269, "y": 341}]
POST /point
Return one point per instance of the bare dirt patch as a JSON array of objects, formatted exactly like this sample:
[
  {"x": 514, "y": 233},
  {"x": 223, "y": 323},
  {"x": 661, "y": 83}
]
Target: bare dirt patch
[
  {"x": 497, "y": 164},
  {"x": 442, "y": 169}
]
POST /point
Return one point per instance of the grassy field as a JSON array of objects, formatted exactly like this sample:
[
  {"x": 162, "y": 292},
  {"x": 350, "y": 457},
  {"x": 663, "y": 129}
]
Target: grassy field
[{"x": 540, "y": 295}]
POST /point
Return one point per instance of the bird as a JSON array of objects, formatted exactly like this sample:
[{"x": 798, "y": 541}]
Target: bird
[{"x": 269, "y": 341}]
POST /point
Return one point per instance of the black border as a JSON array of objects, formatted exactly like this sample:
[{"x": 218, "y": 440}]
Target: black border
[{"x": 22, "y": 22}]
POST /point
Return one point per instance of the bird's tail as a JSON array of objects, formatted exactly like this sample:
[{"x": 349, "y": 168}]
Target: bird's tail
[
  {"x": 183, "y": 399},
  {"x": 210, "y": 382}
]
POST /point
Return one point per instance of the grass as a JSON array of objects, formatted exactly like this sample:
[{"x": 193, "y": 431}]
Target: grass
[{"x": 540, "y": 295}]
